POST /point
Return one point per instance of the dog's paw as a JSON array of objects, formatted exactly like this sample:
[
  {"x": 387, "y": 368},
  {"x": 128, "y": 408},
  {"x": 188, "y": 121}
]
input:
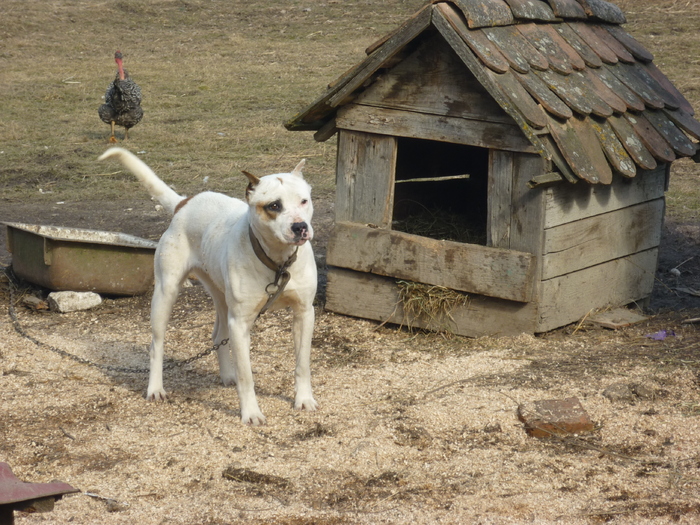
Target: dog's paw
[
  {"x": 228, "y": 379},
  {"x": 156, "y": 395},
  {"x": 308, "y": 404},
  {"x": 254, "y": 419}
]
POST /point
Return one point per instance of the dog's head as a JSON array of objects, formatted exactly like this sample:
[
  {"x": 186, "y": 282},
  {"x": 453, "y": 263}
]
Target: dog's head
[{"x": 280, "y": 206}]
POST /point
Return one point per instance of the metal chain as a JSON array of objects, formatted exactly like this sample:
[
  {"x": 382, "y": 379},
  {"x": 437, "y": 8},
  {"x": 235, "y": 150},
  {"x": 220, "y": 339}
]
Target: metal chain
[{"x": 111, "y": 368}]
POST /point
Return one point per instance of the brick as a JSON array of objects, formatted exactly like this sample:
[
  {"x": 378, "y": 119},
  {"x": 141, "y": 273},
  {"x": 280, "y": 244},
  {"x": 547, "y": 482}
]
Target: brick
[{"x": 552, "y": 417}]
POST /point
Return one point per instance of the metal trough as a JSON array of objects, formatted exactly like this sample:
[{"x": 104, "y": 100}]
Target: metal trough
[{"x": 81, "y": 260}]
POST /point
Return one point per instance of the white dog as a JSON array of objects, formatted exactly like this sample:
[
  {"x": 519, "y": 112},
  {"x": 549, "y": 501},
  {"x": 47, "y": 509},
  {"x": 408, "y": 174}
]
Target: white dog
[{"x": 247, "y": 256}]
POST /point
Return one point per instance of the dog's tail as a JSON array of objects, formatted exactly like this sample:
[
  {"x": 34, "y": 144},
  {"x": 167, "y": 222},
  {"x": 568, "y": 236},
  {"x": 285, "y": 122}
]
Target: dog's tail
[{"x": 158, "y": 189}]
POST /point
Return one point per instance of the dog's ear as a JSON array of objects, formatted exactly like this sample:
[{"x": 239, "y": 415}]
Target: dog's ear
[
  {"x": 253, "y": 181},
  {"x": 300, "y": 166}
]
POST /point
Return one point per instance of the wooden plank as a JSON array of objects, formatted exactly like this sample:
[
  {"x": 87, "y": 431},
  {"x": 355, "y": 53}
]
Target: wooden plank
[
  {"x": 529, "y": 10},
  {"x": 434, "y": 80},
  {"x": 567, "y": 203},
  {"x": 364, "y": 178},
  {"x": 652, "y": 139},
  {"x": 684, "y": 121},
  {"x": 632, "y": 143},
  {"x": 432, "y": 127},
  {"x": 605, "y": 11},
  {"x": 469, "y": 268},
  {"x": 521, "y": 99},
  {"x": 477, "y": 41},
  {"x": 376, "y": 297},
  {"x": 613, "y": 148},
  {"x": 621, "y": 90},
  {"x": 500, "y": 189},
  {"x": 542, "y": 39},
  {"x": 635, "y": 48},
  {"x": 578, "y": 151},
  {"x": 657, "y": 75},
  {"x": 601, "y": 49},
  {"x": 570, "y": 297},
  {"x": 539, "y": 90},
  {"x": 617, "y": 318},
  {"x": 608, "y": 95},
  {"x": 568, "y": 9},
  {"x": 447, "y": 28},
  {"x": 485, "y": 14},
  {"x": 595, "y": 240},
  {"x": 590, "y": 58},
  {"x": 680, "y": 144}
]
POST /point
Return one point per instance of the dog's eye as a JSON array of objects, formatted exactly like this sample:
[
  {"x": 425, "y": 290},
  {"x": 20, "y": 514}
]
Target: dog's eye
[
  {"x": 274, "y": 206},
  {"x": 304, "y": 201}
]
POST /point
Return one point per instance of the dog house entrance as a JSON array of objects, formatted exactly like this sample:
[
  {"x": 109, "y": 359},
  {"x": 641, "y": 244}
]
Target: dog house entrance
[{"x": 441, "y": 190}]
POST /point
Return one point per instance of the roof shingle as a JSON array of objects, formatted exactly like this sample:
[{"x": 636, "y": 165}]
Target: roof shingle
[{"x": 559, "y": 68}]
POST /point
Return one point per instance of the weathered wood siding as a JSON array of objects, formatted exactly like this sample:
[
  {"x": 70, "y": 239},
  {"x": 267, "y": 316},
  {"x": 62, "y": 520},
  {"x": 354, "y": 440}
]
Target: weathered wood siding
[
  {"x": 600, "y": 246},
  {"x": 376, "y": 297},
  {"x": 365, "y": 178},
  {"x": 470, "y": 268}
]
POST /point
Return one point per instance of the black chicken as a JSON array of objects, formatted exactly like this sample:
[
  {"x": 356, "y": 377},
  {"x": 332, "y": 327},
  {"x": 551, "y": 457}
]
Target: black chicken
[{"x": 122, "y": 105}]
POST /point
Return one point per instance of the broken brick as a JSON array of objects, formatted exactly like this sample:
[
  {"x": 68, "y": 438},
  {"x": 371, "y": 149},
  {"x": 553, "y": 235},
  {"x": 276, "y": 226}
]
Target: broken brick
[{"x": 552, "y": 417}]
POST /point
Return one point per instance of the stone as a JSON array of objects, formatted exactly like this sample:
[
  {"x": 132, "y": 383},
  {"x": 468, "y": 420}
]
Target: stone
[
  {"x": 64, "y": 302},
  {"x": 620, "y": 392},
  {"x": 555, "y": 417}
]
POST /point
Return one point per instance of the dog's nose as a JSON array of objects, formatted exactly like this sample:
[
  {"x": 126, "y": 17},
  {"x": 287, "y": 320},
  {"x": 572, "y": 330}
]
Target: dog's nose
[{"x": 299, "y": 228}]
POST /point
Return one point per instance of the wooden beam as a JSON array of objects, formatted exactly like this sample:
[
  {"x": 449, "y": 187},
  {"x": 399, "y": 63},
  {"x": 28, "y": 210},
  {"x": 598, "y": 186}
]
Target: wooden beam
[
  {"x": 432, "y": 127},
  {"x": 470, "y": 268},
  {"x": 376, "y": 297}
]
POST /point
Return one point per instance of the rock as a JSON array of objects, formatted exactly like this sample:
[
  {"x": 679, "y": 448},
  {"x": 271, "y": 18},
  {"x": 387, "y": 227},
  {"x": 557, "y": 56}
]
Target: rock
[
  {"x": 644, "y": 391},
  {"x": 620, "y": 392},
  {"x": 64, "y": 302},
  {"x": 555, "y": 417}
]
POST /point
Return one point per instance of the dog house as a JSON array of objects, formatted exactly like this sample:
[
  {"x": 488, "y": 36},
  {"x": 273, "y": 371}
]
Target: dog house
[{"x": 514, "y": 151}]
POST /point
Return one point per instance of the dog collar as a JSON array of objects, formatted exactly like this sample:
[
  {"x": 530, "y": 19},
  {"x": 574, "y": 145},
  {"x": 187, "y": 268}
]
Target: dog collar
[{"x": 282, "y": 276}]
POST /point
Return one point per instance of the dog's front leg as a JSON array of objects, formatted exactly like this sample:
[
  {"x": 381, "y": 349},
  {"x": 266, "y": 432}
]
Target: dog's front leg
[
  {"x": 303, "y": 328},
  {"x": 239, "y": 333}
]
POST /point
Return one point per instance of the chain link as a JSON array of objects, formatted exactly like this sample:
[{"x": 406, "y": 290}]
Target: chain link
[{"x": 111, "y": 368}]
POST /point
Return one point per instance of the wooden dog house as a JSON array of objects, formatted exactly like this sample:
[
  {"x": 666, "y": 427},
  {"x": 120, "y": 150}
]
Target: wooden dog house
[{"x": 517, "y": 151}]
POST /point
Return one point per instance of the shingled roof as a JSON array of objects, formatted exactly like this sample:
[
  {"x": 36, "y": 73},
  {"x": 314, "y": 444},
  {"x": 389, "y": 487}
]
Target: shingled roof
[{"x": 585, "y": 93}]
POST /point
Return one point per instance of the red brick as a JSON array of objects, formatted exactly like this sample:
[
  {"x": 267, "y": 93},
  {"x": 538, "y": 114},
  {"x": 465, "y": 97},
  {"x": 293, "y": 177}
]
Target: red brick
[{"x": 554, "y": 417}]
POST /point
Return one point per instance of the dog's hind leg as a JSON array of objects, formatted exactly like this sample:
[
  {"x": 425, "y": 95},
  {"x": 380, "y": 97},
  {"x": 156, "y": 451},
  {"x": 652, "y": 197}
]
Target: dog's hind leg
[
  {"x": 223, "y": 353},
  {"x": 170, "y": 271}
]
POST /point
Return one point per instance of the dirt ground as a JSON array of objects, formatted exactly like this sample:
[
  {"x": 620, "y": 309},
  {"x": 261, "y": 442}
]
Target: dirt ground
[{"x": 413, "y": 428}]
